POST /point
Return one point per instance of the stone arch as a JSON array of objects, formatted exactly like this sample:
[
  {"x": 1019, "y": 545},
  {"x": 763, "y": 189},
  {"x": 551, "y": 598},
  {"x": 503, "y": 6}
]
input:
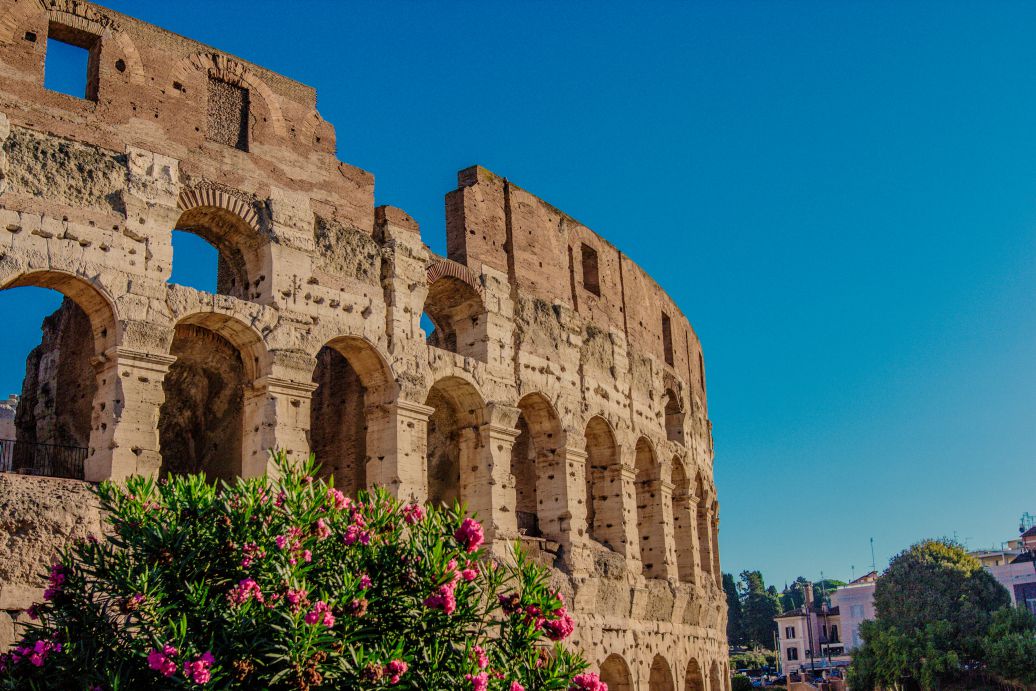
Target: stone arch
[
  {"x": 616, "y": 674},
  {"x": 661, "y": 675},
  {"x": 55, "y": 421},
  {"x": 456, "y": 309},
  {"x": 539, "y": 435},
  {"x": 351, "y": 376},
  {"x": 201, "y": 423},
  {"x": 715, "y": 678},
  {"x": 683, "y": 522},
  {"x": 694, "y": 678},
  {"x": 232, "y": 226},
  {"x": 604, "y": 513},
  {"x": 229, "y": 70},
  {"x": 650, "y": 524},
  {"x": 458, "y": 410},
  {"x": 674, "y": 417},
  {"x": 703, "y": 527}
]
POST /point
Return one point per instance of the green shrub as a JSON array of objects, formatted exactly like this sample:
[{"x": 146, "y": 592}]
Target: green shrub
[
  {"x": 287, "y": 584},
  {"x": 740, "y": 683}
]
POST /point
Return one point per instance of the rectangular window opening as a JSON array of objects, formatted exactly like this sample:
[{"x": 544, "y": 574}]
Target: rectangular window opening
[
  {"x": 72, "y": 62},
  {"x": 227, "y": 114},
  {"x": 667, "y": 339},
  {"x": 591, "y": 273}
]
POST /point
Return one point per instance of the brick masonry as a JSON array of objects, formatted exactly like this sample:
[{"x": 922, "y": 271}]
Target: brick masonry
[{"x": 560, "y": 394}]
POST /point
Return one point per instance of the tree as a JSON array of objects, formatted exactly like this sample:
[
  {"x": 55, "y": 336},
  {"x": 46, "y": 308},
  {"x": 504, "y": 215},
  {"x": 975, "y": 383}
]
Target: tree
[
  {"x": 794, "y": 596},
  {"x": 934, "y": 607},
  {"x": 735, "y": 617},
  {"x": 760, "y": 606},
  {"x": 1010, "y": 645},
  {"x": 287, "y": 583}
]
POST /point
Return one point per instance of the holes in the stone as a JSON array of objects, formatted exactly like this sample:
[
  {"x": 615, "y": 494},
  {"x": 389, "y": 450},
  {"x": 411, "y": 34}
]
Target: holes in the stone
[
  {"x": 120, "y": 65},
  {"x": 71, "y": 63},
  {"x": 30, "y": 36},
  {"x": 195, "y": 262}
]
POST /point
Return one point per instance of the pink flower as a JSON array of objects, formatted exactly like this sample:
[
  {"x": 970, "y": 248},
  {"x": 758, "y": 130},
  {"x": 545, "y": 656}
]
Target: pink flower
[
  {"x": 354, "y": 534},
  {"x": 321, "y": 614},
  {"x": 251, "y": 552},
  {"x": 515, "y": 686},
  {"x": 198, "y": 671},
  {"x": 480, "y": 656},
  {"x": 339, "y": 500},
  {"x": 443, "y": 598},
  {"x": 413, "y": 513},
  {"x": 470, "y": 534},
  {"x": 295, "y": 598},
  {"x": 479, "y": 682},
  {"x": 560, "y": 628},
  {"x": 244, "y": 591},
  {"x": 365, "y": 581},
  {"x": 395, "y": 670},
  {"x": 162, "y": 661},
  {"x": 307, "y": 556},
  {"x": 469, "y": 574},
  {"x": 588, "y": 682},
  {"x": 57, "y": 582},
  {"x": 321, "y": 530}
]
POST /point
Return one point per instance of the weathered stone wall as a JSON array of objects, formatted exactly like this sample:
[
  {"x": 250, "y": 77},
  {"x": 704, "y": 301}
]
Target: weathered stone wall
[{"x": 561, "y": 394}]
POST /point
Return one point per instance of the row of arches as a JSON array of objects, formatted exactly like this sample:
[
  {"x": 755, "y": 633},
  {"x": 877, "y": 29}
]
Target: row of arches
[{"x": 618, "y": 676}]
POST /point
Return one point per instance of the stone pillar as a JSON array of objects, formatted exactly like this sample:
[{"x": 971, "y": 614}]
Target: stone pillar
[
  {"x": 124, "y": 425},
  {"x": 276, "y": 416},
  {"x": 704, "y": 524},
  {"x": 625, "y": 476},
  {"x": 690, "y": 508},
  {"x": 560, "y": 492},
  {"x": 486, "y": 483},
  {"x": 397, "y": 443},
  {"x": 669, "y": 567},
  {"x": 655, "y": 525}
]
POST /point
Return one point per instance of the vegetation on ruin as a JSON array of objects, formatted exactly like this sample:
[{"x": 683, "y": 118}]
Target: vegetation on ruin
[
  {"x": 941, "y": 620},
  {"x": 287, "y": 584}
]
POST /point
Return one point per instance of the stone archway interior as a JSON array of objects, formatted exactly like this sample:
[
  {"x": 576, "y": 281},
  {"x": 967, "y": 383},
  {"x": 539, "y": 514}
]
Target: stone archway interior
[
  {"x": 443, "y": 450},
  {"x": 523, "y": 467},
  {"x": 200, "y": 422},
  {"x": 661, "y": 678},
  {"x": 603, "y": 486},
  {"x": 338, "y": 425},
  {"x": 616, "y": 674},
  {"x": 694, "y": 681}
]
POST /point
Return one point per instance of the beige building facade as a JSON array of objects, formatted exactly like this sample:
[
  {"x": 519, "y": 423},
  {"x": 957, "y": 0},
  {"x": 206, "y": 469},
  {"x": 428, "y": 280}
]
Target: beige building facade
[{"x": 560, "y": 393}]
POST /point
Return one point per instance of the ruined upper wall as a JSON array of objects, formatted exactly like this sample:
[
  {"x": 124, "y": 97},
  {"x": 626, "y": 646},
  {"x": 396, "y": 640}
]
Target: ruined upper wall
[
  {"x": 549, "y": 255},
  {"x": 151, "y": 90}
]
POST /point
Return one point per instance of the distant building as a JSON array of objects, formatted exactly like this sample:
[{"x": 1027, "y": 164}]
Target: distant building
[
  {"x": 1014, "y": 567},
  {"x": 810, "y": 637},
  {"x": 855, "y": 603}
]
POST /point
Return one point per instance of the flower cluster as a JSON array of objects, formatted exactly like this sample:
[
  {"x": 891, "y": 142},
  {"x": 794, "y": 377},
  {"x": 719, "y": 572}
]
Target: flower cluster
[
  {"x": 587, "y": 682},
  {"x": 287, "y": 583}
]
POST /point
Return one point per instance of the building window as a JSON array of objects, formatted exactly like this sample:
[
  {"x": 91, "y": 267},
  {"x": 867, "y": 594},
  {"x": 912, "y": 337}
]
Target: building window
[
  {"x": 834, "y": 633},
  {"x": 793, "y": 653},
  {"x": 591, "y": 272},
  {"x": 667, "y": 339},
  {"x": 789, "y": 632},
  {"x": 856, "y": 611},
  {"x": 71, "y": 65},
  {"x": 228, "y": 114}
]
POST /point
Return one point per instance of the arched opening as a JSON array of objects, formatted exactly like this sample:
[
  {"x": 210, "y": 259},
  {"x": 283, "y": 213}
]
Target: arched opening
[
  {"x": 694, "y": 680},
  {"x": 215, "y": 250},
  {"x": 452, "y": 448},
  {"x": 55, "y": 325},
  {"x": 350, "y": 377},
  {"x": 201, "y": 421},
  {"x": 715, "y": 678},
  {"x": 683, "y": 522},
  {"x": 661, "y": 678},
  {"x": 616, "y": 674},
  {"x": 649, "y": 513},
  {"x": 673, "y": 417},
  {"x": 603, "y": 486},
  {"x": 456, "y": 313},
  {"x": 538, "y": 433},
  {"x": 704, "y": 530}
]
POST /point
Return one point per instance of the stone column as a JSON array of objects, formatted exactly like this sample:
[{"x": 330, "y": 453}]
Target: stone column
[
  {"x": 486, "y": 483},
  {"x": 560, "y": 492},
  {"x": 625, "y": 476},
  {"x": 655, "y": 525},
  {"x": 715, "y": 546},
  {"x": 397, "y": 443},
  {"x": 694, "y": 562},
  {"x": 669, "y": 568},
  {"x": 124, "y": 425},
  {"x": 276, "y": 417}
]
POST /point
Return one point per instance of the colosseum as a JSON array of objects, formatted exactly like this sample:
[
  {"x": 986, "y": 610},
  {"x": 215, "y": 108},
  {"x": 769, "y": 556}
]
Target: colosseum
[{"x": 551, "y": 385}]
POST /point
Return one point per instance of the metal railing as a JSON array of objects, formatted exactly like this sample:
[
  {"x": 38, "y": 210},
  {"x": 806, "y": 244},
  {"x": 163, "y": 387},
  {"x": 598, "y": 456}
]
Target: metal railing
[{"x": 51, "y": 460}]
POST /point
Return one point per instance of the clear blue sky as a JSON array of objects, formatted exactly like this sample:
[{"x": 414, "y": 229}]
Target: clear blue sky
[{"x": 841, "y": 196}]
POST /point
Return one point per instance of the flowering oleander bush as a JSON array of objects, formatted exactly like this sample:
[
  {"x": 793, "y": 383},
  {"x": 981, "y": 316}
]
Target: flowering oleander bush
[{"x": 289, "y": 584}]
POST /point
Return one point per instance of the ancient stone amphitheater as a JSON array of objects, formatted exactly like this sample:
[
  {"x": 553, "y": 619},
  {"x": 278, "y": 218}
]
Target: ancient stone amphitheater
[{"x": 560, "y": 392}]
